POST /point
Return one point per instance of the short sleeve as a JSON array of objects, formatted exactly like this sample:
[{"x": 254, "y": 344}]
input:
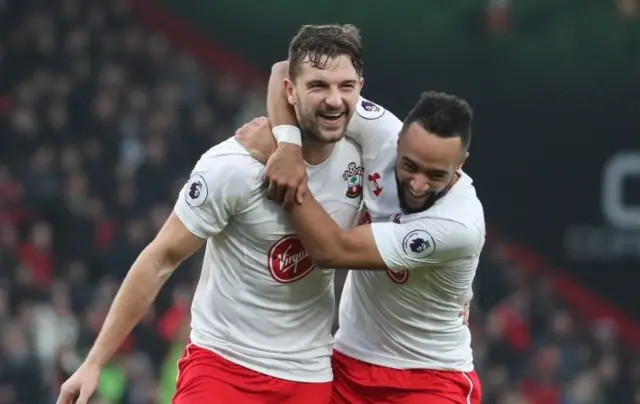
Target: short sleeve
[
  {"x": 376, "y": 131},
  {"x": 425, "y": 242},
  {"x": 216, "y": 190},
  {"x": 373, "y": 127}
]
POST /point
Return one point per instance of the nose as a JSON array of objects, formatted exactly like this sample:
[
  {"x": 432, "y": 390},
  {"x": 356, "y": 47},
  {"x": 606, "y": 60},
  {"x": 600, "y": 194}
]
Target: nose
[
  {"x": 419, "y": 184},
  {"x": 334, "y": 99}
]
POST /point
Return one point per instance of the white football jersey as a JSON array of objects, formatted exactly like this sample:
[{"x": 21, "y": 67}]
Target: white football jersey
[
  {"x": 376, "y": 130},
  {"x": 260, "y": 302},
  {"x": 409, "y": 316}
]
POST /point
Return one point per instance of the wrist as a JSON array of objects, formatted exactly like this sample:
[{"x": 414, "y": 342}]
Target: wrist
[
  {"x": 287, "y": 134},
  {"x": 94, "y": 358},
  {"x": 94, "y": 362}
]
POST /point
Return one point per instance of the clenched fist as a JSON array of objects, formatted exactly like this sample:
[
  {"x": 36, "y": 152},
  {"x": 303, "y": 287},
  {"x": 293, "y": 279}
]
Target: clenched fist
[{"x": 285, "y": 172}]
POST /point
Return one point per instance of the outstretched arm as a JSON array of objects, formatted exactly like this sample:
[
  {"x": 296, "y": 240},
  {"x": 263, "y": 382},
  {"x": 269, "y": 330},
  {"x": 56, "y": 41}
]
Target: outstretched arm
[
  {"x": 173, "y": 244},
  {"x": 203, "y": 209},
  {"x": 205, "y": 204}
]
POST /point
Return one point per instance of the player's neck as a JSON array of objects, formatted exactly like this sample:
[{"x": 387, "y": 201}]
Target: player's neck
[{"x": 315, "y": 152}]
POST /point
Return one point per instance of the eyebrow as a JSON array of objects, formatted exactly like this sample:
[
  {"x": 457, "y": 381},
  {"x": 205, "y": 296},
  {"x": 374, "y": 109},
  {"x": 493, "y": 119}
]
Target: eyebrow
[
  {"x": 432, "y": 171},
  {"x": 324, "y": 83},
  {"x": 408, "y": 160},
  {"x": 316, "y": 83},
  {"x": 438, "y": 172}
]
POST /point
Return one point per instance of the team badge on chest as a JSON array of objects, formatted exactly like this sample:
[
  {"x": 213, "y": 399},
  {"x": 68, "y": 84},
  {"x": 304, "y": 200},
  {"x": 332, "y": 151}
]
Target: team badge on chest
[{"x": 353, "y": 177}]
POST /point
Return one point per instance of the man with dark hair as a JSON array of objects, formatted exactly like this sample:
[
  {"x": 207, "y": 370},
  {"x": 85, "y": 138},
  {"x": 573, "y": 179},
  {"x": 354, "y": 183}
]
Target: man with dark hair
[
  {"x": 447, "y": 118},
  {"x": 262, "y": 311},
  {"x": 317, "y": 44},
  {"x": 325, "y": 48},
  {"x": 413, "y": 258}
]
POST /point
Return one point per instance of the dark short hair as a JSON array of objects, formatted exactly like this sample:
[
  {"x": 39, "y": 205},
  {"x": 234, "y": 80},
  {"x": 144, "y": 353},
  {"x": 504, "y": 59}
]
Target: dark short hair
[
  {"x": 318, "y": 44},
  {"x": 443, "y": 115}
]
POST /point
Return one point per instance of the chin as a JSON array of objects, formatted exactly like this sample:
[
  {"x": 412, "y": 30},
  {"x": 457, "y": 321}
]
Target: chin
[
  {"x": 414, "y": 209},
  {"x": 332, "y": 136},
  {"x": 413, "y": 206}
]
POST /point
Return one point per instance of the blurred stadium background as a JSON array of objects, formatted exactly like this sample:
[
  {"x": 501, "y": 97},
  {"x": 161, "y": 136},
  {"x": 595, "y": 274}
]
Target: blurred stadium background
[{"x": 105, "y": 106}]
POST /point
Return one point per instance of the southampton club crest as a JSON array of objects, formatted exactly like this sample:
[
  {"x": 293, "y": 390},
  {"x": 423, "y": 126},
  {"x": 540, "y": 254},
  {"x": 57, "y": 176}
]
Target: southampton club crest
[{"x": 353, "y": 177}]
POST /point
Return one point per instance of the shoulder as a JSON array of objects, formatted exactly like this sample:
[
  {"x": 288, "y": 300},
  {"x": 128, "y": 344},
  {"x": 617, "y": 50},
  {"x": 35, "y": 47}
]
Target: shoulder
[
  {"x": 229, "y": 162},
  {"x": 369, "y": 110},
  {"x": 442, "y": 239},
  {"x": 369, "y": 116},
  {"x": 460, "y": 205},
  {"x": 226, "y": 173},
  {"x": 454, "y": 226},
  {"x": 349, "y": 148}
]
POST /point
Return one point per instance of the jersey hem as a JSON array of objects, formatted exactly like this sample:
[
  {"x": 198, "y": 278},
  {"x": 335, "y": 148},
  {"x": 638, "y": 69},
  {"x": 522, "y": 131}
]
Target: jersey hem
[
  {"x": 318, "y": 377},
  {"x": 395, "y": 363}
]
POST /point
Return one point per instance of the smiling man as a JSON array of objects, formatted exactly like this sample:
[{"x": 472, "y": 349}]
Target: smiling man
[
  {"x": 262, "y": 311},
  {"x": 401, "y": 338}
]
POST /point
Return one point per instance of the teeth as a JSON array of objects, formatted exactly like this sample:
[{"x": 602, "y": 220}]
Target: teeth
[
  {"x": 335, "y": 115},
  {"x": 416, "y": 195}
]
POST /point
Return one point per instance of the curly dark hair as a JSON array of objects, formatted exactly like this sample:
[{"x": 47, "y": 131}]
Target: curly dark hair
[
  {"x": 318, "y": 44},
  {"x": 443, "y": 115}
]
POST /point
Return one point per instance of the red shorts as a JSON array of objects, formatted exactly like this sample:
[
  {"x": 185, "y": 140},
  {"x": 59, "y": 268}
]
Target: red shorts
[
  {"x": 356, "y": 382},
  {"x": 206, "y": 378}
]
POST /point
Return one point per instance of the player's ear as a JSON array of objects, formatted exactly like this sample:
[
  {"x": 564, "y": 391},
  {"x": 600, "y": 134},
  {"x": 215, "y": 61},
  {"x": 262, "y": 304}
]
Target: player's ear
[
  {"x": 290, "y": 91},
  {"x": 361, "y": 82},
  {"x": 464, "y": 159}
]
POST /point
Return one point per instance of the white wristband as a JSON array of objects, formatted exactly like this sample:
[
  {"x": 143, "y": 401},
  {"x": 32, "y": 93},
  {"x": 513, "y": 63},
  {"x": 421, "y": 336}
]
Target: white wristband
[{"x": 287, "y": 134}]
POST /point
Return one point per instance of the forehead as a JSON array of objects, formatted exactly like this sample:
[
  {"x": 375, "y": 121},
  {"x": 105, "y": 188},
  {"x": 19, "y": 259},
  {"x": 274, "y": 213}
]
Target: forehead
[
  {"x": 429, "y": 150},
  {"x": 330, "y": 70}
]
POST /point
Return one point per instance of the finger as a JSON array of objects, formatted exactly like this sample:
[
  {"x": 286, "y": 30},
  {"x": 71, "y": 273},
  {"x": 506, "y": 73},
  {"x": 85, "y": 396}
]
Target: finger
[
  {"x": 239, "y": 136},
  {"x": 289, "y": 198},
  {"x": 280, "y": 192},
  {"x": 255, "y": 153},
  {"x": 85, "y": 394},
  {"x": 65, "y": 397},
  {"x": 271, "y": 191},
  {"x": 301, "y": 192}
]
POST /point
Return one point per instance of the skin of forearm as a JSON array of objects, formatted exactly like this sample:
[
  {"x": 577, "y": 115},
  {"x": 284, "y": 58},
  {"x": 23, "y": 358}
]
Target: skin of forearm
[
  {"x": 277, "y": 97},
  {"x": 319, "y": 233},
  {"x": 136, "y": 294}
]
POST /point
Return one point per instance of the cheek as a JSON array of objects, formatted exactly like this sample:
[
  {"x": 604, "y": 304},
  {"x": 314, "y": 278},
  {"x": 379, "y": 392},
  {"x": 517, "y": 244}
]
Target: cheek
[
  {"x": 440, "y": 185},
  {"x": 310, "y": 102},
  {"x": 402, "y": 175},
  {"x": 351, "y": 99}
]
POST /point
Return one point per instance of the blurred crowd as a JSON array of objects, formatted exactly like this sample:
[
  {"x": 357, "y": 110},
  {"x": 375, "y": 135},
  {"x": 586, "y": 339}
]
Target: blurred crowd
[{"x": 101, "y": 120}]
